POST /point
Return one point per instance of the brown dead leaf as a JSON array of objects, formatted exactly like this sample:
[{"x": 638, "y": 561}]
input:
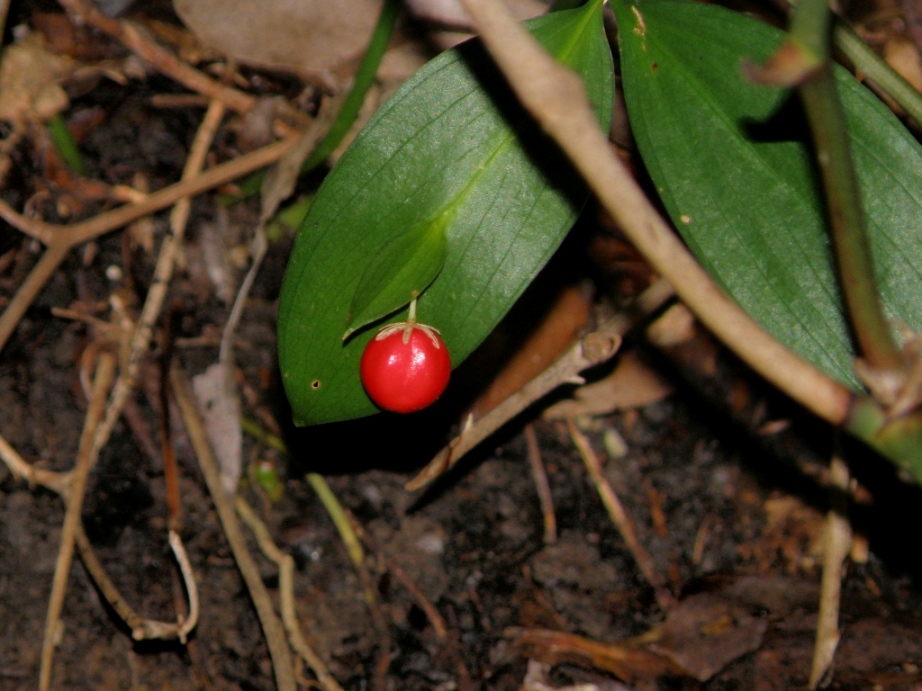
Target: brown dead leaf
[
  {"x": 632, "y": 384},
  {"x": 705, "y": 632},
  {"x": 30, "y": 78},
  {"x": 557, "y": 331},
  {"x": 903, "y": 57},
  {"x": 307, "y": 37}
]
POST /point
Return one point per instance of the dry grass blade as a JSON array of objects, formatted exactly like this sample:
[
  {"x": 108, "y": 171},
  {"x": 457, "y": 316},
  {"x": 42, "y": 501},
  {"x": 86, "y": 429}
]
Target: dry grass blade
[
  {"x": 286, "y": 567},
  {"x": 619, "y": 516},
  {"x": 837, "y": 544},
  {"x": 272, "y": 627}
]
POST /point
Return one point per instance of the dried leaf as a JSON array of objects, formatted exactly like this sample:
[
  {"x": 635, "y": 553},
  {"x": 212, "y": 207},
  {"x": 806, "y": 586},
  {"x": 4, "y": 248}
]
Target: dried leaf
[
  {"x": 221, "y": 415},
  {"x": 29, "y": 81},
  {"x": 706, "y": 632},
  {"x": 632, "y": 384},
  {"x": 307, "y": 37}
]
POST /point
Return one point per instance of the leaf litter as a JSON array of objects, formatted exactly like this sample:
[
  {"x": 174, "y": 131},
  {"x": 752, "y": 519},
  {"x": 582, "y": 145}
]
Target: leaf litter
[{"x": 737, "y": 550}]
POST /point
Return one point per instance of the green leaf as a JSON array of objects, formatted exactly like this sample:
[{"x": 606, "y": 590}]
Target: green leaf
[
  {"x": 454, "y": 151},
  {"x": 732, "y": 164},
  {"x": 400, "y": 270}
]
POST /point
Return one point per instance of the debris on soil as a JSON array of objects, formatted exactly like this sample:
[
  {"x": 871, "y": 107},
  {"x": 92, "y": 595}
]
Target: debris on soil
[{"x": 505, "y": 573}]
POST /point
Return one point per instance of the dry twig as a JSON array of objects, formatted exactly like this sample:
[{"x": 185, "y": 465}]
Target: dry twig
[
  {"x": 60, "y": 239},
  {"x": 163, "y": 272},
  {"x": 837, "y": 543},
  {"x": 141, "y": 628},
  {"x": 137, "y": 40},
  {"x": 272, "y": 627},
  {"x": 56, "y": 482},
  {"x": 71, "y": 486},
  {"x": 591, "y": 350},
  {"x": 105, "y": 372},
  {"x": 619, "y": 515},
  {"x": 555, "y": 96},
  {"x": 286, "y": 566},
  {"x": 542, "y": 486}
]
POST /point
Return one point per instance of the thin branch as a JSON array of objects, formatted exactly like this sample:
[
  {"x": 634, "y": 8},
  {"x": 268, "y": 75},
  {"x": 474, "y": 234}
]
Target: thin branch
[
  {"x": 286, "y": 566},
  {"x": 105, "y": 372},
  {"x": 556, "y": 97},
  {"x": 59, "y": 483},
  {"x": 163, "y": 272},
  {"x": 811, "y": 31},
  {"x": 272, "y": 627},
  {"x": 136, "y": 39},
  {"x": 619, "y": 516},
  {"x": 593, "y": 349},
  {"x": 61, "y": 239},
  {"x": 141, "y": 629}
]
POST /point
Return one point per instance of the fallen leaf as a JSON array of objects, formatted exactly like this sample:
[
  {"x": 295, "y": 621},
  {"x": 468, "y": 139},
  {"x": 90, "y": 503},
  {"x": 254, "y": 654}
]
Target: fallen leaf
[
  {"x": 307, "y": 37},
  {"x": 705, "y": 632},
  {"x": 29, "y": 81},
  {"x": 557, "y": 331},
  {"x": 903, "y": 57},
  {"x": 632, "y": 384},
  {"x": 625, "y": 660}
]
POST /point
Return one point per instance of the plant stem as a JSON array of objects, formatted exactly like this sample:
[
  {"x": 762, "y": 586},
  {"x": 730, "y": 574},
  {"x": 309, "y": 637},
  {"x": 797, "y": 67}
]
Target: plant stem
[
  {"x": 875, "y": 69},
  {"x": 556, "y": 97},
  {"x": 364, "y": 78},
  {"x": 811, "y": 31},
  {"x": 351, "y": 105}
]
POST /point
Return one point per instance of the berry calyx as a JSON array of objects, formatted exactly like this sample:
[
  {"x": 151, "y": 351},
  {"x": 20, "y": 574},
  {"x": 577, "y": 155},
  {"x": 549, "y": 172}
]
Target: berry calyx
[{"x": 405, "y": 367}]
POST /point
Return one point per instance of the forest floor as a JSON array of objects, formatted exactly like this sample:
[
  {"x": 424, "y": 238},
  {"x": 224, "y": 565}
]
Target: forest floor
[{"x": 724, "y": 481}]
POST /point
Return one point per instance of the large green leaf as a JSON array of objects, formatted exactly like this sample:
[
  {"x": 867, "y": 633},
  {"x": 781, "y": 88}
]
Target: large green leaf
[
  {"x": 452, "y": 192},
  {"x": 732, "y": 164}
]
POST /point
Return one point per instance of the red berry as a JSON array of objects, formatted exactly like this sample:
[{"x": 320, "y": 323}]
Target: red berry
[{"x": 405, "y": 367}]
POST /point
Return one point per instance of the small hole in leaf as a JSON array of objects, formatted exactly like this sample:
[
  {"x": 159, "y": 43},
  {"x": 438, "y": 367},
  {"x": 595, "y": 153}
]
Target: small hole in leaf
[{"x": 315, "y": 384}]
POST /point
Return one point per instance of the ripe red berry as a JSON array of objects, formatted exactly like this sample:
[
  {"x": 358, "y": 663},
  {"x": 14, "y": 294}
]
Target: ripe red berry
[{"x": 405, "y": 367}]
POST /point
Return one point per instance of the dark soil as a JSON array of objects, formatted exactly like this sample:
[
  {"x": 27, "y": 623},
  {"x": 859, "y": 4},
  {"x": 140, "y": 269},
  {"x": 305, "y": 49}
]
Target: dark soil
[{"x": 731, "y": 516}]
